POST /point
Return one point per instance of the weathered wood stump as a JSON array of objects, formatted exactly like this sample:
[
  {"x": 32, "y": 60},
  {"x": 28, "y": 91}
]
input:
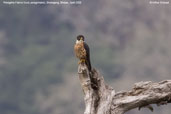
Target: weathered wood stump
[{"x": 100, "y": 98}]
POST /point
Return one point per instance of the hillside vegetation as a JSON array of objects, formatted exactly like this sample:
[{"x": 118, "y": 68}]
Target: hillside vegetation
[{"x": 129, "y": 42}]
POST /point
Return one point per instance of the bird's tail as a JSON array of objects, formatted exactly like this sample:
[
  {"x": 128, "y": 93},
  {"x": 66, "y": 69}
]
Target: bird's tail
[{"x": 88, "y": 63}]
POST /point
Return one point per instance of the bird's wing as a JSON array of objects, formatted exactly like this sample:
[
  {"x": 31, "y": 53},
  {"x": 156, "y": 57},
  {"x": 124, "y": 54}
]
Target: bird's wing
[{"x": 86, "y": 47}]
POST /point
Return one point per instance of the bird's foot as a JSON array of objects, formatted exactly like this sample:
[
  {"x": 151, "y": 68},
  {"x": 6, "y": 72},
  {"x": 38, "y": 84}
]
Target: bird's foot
[{"x": 81, "y": 61}]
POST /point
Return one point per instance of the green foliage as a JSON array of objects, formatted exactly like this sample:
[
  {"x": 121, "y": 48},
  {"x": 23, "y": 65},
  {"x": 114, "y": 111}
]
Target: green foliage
[
  {"x": 35, "y": 59},
  {"x": 36, "y": 51}
]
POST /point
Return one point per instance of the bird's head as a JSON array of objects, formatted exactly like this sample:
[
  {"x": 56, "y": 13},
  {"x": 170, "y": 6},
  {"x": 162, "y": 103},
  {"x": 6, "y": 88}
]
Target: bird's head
[{"x": 80, "y": 39}]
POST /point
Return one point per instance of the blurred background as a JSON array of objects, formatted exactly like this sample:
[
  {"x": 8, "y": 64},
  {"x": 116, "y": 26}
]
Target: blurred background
[{"x": 130, "y": 41}]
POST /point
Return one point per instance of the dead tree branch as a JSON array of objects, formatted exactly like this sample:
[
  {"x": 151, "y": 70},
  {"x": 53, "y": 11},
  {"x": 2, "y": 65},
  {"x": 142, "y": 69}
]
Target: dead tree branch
[{"x": 102, "y": 99}]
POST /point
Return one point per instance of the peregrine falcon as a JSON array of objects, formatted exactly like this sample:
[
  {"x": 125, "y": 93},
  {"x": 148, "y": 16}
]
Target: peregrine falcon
[{"x": 82, "y": 51}]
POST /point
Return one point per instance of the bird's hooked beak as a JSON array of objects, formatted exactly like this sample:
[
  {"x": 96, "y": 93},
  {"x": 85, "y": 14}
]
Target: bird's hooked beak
[{"x": 79, "y": 41}]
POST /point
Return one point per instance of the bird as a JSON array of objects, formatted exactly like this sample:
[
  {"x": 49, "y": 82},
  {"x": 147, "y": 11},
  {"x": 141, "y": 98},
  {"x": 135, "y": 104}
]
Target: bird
[{"x": 82, "y": 51}]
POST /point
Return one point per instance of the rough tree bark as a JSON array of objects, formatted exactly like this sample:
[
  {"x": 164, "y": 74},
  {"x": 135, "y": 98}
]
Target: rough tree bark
[{"x": 100, "y": 98}]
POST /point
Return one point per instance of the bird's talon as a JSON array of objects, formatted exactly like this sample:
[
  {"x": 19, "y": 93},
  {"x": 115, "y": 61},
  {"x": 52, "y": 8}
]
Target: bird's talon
[{"x": 81, "y": 61}]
